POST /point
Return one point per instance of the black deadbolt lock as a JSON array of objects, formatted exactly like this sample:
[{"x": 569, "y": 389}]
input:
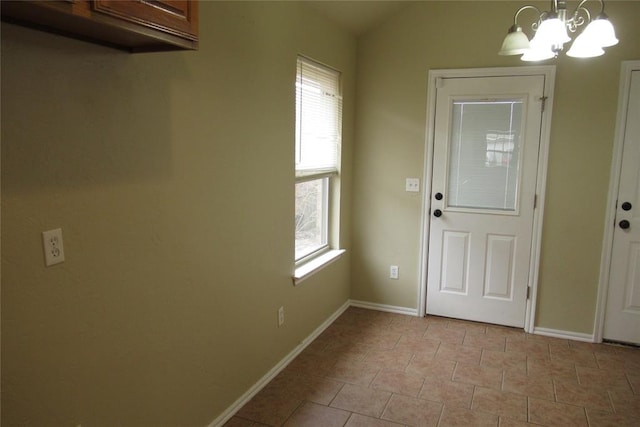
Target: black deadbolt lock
[
  {"x": 626, "y": 206},
  {"x": 438, "y": 196}
]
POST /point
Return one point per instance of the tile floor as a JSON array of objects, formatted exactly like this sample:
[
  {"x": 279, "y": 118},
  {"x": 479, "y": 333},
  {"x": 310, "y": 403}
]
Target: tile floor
[{"x": 378, "y": 369}]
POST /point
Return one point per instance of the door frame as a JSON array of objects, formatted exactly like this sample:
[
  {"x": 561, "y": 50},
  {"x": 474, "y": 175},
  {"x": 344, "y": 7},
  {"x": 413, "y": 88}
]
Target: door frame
[
  {"x": 548, "y": 72},
  {"x": 614, "y": 182}
]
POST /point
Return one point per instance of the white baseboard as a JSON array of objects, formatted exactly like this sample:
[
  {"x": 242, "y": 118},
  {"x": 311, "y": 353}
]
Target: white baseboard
[
  {"x": 576, "y": 336},
  {"x": 262, "y": 382},
  {"x": 384, "y": 307}
]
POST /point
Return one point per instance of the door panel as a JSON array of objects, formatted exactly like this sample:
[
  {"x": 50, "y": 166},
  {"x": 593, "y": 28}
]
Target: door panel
[
  {"x": 499, "y": 267},
  {"x": 455, "y": 247},
  {"x": 622, "y": 316},
  {"x": 486, "y": 139}
]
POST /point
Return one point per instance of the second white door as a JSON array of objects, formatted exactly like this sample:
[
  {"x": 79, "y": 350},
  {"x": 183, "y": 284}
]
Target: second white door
[
  {"x": 622, "y": 318},
  {"x": 486, "y": 143}
]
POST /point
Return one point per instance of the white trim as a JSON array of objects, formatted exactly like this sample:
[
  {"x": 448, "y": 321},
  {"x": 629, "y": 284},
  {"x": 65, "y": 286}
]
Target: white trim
[
  {"x": 568, "y": 335},
  {"x": 384, "y": 307},
  {"x": 614, "y": 182},
  {"x": 262, "y": 382},
  {"x": 548, "y": 71},
  {"x": 316, "y": 264}
]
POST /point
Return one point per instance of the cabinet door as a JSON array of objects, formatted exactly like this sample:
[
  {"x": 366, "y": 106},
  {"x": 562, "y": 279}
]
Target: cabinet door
[{"x": 179, "y": 17}]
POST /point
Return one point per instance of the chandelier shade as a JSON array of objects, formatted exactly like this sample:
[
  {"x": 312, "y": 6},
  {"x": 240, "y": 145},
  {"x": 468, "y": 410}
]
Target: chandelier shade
[
  {"x": 515, "y": 43},
  {"x": 552, "y": 31}
]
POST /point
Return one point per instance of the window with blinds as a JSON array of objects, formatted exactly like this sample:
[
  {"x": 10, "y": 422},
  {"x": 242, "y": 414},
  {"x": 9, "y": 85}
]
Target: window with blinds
[
  {"x": 318, "y": 117},
  {"x": 317, "y": 153}
]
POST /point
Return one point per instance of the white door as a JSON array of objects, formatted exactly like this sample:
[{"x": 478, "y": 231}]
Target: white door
[
  {"x": 622, "y": 316},
  {"x": 485, "y": 160}
]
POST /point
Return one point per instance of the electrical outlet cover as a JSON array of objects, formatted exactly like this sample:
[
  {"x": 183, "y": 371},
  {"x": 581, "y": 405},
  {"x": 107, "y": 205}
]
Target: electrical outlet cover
[{"x": 53, "y": 247}]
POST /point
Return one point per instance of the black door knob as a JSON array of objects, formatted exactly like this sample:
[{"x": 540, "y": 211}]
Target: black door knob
[
  {"x": 438, "y": 196},
  {"x": 437, "y": 213},
  {"x": 624, "y": 224},
  {"x": 626, "y": 206}
]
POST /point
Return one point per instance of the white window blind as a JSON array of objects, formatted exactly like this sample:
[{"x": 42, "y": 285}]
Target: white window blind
[{"x": 318, "y": 118}]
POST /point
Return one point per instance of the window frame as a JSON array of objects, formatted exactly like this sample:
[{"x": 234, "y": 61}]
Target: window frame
[
  {"x": 326, "y": 213},
  {"x": 308, "y": 263}
]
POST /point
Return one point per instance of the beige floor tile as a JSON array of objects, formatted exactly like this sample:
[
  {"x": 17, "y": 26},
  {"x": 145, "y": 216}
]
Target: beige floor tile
[
  {"x": 362, "y": 400},
  {"x": 314, "y": 415},
  {"x": 431, "y": 367},
  {"x": 502, "y": 404},
  {"x": 478, "y": 375},
  {"x": 448, "y": 392},
  {"x": 528, "y": 385},
  {"x": 609, "y": 419},
  {"x": 607, "y": 379},
  {"x": 507, "y": 361},
  {"x": 579, "y": 395},
  {"x": 412, "y": 411},
  {"x": 549, "y": 413},
  {"x": 422, "y": 347},
  {"x": 626, "y": 403},
  {"x": 380, "y": 341},
  {"x": 398, "y": 382},
  {"x": 239, "y": 422},
  {"x": 441, "y": 333},
  {"x": 358, "y": 420},
  {"x": 353, "y": 373},
  {"x": 634, "y": 381},
  {"x": 269, "y": 407},
  {"x": 595, "y": 348},
  {"x": 504, "y": 331},
  {"x": 459, "y": 353},
  {"x": 408, "y": 329},
  {"x": 312, "y": 364},
  {"x": 473, "y": 328},
  {"x": 508, "y": 422},
  {"x": 580, "y": 357},
  {"x": 461, "y": 417},
  {"x": 390, "y": 359},
  {"x": 553, "y": 369},
  {"x": 486, "y": 342},
  {"x": 631, "y": 356},
  {"x": 316, "y": 389},
  {"x": 535, "y": 349}
]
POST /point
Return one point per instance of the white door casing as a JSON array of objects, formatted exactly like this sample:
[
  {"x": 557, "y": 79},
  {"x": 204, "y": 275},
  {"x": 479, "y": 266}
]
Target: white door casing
[
  {"x": 481, "y": 253},
  {"x": 621, "y": 320}
]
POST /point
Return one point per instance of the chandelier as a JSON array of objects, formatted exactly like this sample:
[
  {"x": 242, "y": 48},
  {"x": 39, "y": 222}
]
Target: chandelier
[{"x": 552, "y": 31}]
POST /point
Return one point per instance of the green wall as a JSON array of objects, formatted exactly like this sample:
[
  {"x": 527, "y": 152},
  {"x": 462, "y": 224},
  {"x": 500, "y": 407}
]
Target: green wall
[
  {"x": 393, "y": 63},
  {"x": 172, "y": 177}
]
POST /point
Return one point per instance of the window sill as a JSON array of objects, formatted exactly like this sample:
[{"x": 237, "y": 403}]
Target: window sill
[{"x": 308, "y": 269}]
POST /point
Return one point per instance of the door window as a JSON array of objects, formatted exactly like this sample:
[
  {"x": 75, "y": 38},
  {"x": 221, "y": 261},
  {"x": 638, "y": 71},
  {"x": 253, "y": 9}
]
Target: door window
[{"x": 484, "y": 159}]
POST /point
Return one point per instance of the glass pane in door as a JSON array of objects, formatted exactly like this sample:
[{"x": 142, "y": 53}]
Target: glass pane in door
[{"x": 484, "y": 154}]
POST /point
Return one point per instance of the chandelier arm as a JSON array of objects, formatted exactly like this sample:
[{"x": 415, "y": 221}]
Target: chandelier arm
[
  {"x": 522, "y": 9},
  {"x": 581, "y": 7}
]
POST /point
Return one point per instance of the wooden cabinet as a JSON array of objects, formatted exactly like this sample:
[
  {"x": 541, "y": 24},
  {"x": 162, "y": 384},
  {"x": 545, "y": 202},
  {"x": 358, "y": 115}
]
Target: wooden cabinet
[{"x": 133, "y": 25}]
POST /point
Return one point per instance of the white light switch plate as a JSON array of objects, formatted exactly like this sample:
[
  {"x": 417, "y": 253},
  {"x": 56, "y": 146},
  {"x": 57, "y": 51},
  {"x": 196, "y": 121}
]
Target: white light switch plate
[{"x": 413, "y": 185}]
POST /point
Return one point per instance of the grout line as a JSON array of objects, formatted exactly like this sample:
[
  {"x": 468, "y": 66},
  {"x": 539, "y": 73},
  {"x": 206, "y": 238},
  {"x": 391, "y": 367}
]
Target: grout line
[
  {"x": 293, "y": 412},
  {"x": 336, "y": 395}
]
